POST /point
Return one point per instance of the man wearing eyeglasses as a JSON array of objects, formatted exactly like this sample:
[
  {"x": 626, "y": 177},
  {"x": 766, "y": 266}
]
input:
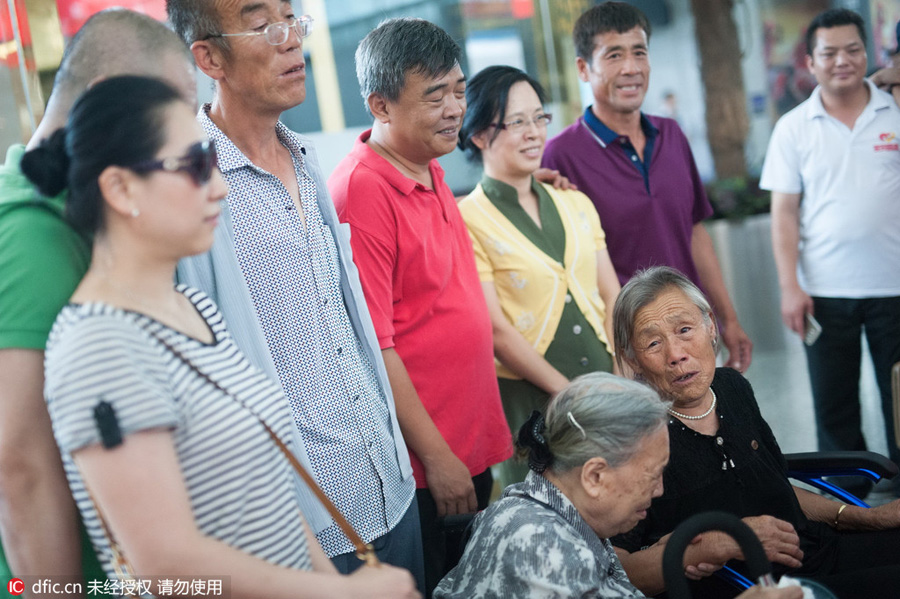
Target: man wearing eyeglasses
[
  {"x": 417, "y": 267},
  {"x": 638, "y": 169},
  {"x": 42, "y": 260},
  {"x": 282, "y": 273}
]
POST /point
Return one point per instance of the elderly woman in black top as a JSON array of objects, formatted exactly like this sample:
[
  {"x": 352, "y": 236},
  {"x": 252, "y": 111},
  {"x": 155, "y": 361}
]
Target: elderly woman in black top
[
  {"x": 594, "y": 468},
  {"x": 724, "y": 457}
]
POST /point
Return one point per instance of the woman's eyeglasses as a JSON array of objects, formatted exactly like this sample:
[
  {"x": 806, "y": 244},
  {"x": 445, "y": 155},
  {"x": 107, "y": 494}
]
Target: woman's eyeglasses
[
  {"x": 277, "y": 33},
  {"x": 198, "y": 162},
  {"x": 540, "y": 121}
]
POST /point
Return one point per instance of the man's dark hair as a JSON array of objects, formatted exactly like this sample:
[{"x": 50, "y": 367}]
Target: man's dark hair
[
  {"x": 195, "y": 20},
  {"x": 603, "y": 18},
  {"x": 835, "y": 17},
  {"x": 398, "y": 47}
]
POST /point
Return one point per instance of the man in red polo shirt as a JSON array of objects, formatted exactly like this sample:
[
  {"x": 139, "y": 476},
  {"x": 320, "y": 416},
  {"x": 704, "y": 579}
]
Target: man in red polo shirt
[{"x": 418, "y": 272}]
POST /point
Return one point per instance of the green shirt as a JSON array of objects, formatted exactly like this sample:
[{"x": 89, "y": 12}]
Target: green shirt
[{"x": 42, "y": 260}]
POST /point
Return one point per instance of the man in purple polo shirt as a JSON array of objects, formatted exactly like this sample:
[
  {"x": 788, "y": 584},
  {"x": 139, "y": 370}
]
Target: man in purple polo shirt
[{"x": 638, "y": 169}]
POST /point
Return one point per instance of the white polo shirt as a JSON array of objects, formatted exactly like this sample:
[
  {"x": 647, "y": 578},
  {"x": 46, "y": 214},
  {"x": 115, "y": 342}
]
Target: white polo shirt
[{"x": 850, "y": 208}]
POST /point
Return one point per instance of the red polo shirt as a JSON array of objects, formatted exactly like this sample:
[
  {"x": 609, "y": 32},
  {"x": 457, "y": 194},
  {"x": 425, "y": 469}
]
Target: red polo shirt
[{"x": 418, "y": 273}]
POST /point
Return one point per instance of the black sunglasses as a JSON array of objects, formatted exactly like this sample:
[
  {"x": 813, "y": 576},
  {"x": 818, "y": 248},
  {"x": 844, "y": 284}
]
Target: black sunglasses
[{"x": 198, "y": 162}]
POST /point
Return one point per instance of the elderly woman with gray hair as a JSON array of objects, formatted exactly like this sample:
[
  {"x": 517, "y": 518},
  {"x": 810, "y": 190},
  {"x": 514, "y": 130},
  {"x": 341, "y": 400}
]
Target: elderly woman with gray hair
[
  {"x": 595, "y": 466},
  {"x": 725, "y": 457}
]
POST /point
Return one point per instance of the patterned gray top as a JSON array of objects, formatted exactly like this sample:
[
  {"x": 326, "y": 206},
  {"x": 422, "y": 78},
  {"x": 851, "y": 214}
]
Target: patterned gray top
[{"x": 534, "y": 544}]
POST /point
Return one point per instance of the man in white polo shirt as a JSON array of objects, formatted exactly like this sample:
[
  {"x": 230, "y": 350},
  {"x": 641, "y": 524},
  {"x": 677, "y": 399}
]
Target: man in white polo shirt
[{"x": 833, "y": 166}]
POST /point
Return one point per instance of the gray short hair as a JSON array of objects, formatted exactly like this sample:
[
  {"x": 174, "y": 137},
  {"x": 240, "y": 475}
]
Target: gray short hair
[
  {"x": 195, "y": 20},
  {"x": 603, "y": 415},
  {"x": 115, "y": 42},
  {"x": 400, "y": 46},
  {"x": 643, "y": 289}
]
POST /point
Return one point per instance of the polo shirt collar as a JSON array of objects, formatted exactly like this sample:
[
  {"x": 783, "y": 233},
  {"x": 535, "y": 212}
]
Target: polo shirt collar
[
  {"x": 230, "y": 157},
  {"x": 378, "y": 163},
  {"x": 816, "y": 109},
  {"x": 606, "y": 135}
]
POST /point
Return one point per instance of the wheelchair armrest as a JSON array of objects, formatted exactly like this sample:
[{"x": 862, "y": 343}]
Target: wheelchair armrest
[{"x": 831, "y": 463}]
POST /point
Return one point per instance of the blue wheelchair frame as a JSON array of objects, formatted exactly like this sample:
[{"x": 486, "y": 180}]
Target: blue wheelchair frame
[{"x": 812, "y": 467}]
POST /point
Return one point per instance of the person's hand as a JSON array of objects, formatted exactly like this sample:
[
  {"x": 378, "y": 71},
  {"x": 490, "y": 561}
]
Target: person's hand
[
  {"x": 701, "y": 557},
  {"x": 451, "y": 486},
  {"x": 382, "y": 582},
  {"x": 887, "y": 77},
  {"x": 795, "y": 304},
  {"x": 700, "y": 570},
  {"x": 757, "y": 592},
  {"x": 740, "y": 348},
  {"x": 552, "y": 177},
  {"x": 778, "y": 538},
  {"x": 697, "y": 546}
]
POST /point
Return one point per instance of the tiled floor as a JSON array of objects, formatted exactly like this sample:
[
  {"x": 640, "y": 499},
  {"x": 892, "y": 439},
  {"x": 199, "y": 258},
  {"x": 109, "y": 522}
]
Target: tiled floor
[
  {"x": 778, "y": 371},
  {"x": 782, "y": 388},
  {"x": 781, "y": 383}
]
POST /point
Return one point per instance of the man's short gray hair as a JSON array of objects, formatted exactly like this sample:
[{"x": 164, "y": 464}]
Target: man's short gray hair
[
  {"x": 601, "y": 415},
  {"x": 643, "y": 289},
  {"x": 398, "y": 47},
  {"x": 194, "y": 20}
]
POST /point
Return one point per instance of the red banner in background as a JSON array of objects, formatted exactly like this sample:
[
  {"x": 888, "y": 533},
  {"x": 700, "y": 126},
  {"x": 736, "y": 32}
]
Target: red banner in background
[
  {"x": 522, "y": 9},
  {"x": 73, "y": 13},
  {"x": 9, "y": 55}
]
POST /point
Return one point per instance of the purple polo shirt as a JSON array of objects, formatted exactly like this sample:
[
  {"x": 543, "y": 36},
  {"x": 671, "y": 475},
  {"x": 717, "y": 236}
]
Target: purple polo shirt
[{"x": 647, "y": 223}]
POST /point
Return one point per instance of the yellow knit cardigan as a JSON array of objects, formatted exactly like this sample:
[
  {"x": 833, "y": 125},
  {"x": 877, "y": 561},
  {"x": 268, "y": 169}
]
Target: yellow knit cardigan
[{"x": 532, "y": 286}]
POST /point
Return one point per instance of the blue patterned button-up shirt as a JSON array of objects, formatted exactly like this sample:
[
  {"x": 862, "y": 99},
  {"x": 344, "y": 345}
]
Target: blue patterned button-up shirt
[{"x": 293, "y": 270}]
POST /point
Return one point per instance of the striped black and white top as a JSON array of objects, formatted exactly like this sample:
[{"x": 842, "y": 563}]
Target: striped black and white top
[{"x": 242, "y": 489}]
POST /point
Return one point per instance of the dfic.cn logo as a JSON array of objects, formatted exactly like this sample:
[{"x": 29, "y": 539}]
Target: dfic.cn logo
[{"x": 15, "y": 586}]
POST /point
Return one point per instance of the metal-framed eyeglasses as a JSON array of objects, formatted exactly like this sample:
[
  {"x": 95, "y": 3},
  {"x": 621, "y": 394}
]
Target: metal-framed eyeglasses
[
  {"x": 198, "y": 163},
  {"x": 518, "y": 125},
  {"x": 277, "y": 33}
]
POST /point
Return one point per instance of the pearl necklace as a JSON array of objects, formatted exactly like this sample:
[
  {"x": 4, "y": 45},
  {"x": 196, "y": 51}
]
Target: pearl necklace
[{"x": 712, "y": 407}]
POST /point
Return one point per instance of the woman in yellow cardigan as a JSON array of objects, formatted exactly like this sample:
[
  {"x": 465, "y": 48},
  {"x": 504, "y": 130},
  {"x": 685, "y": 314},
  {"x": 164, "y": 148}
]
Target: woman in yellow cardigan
[{"x": 541, "y": 252}]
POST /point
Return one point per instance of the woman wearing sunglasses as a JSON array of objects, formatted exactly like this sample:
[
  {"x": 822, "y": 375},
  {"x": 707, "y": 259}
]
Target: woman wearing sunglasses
[
  {"x": 168, "y": 434},
  {"x": 541, "y": 253}
]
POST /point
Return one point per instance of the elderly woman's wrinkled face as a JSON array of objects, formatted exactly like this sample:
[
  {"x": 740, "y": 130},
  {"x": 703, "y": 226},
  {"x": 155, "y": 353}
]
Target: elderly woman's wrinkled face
[
  {"x": 674, "y": 348},
  {"x": 629, "y": 488}
]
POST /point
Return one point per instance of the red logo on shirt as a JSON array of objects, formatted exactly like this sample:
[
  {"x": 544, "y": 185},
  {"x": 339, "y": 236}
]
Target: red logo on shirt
[{"x": 887, "y": 146}]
